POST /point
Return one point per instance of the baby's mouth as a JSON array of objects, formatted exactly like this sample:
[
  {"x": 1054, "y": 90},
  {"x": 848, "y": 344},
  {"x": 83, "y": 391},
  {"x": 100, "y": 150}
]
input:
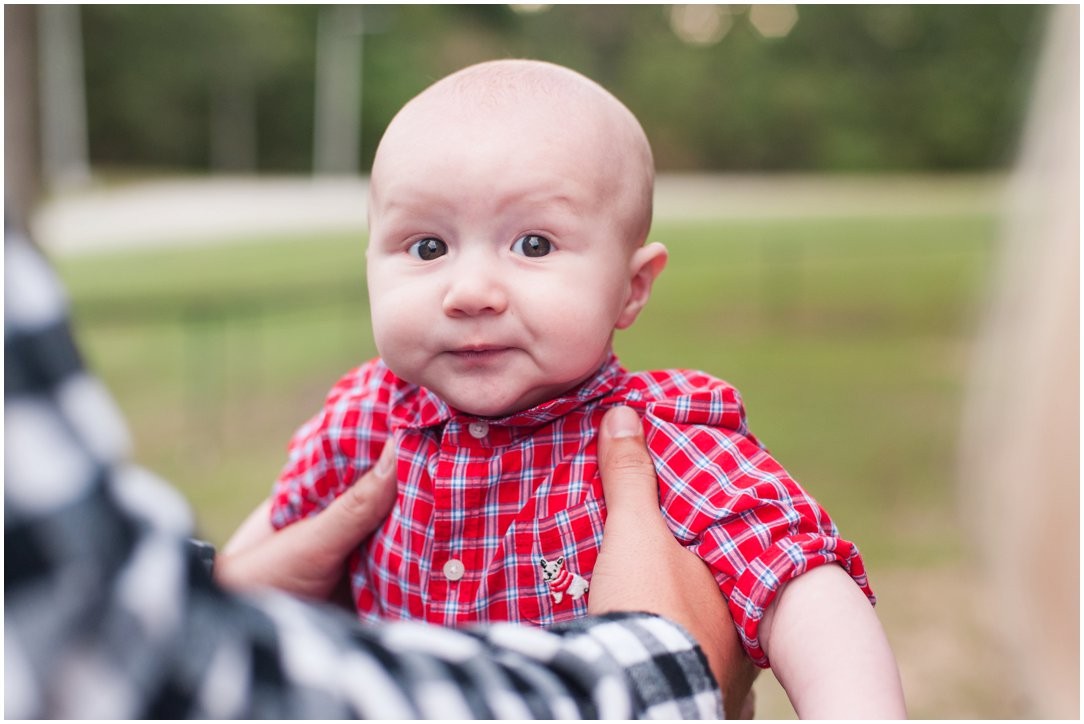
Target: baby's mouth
[{"x": 479, "y": 353}]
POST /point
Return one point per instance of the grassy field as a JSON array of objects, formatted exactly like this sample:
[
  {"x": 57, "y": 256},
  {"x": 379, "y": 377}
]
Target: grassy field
[{"x": 848, "y": 337}]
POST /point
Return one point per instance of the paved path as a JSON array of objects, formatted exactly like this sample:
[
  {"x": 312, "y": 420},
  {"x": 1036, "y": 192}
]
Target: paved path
[{"x": 211, "y": 209}]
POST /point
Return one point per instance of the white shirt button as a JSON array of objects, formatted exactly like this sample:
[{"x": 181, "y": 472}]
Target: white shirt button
[
  {"x": 453, "y": 569},
  {"x": 478, "y": 430}
]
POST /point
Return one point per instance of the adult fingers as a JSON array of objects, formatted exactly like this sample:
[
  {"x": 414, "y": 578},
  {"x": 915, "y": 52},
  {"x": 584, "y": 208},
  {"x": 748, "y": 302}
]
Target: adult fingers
[
  {"x": 254, "y": 530},
  {"x": 355, "y": 514},
  {"x": 628, "y": 474},
  {"x": 307, "y": 558},
  {"x": 635, "y": 539},
  {"x": 642, "y": 567}
]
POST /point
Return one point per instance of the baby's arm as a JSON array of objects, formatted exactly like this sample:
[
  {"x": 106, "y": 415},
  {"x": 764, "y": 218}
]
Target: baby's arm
[{"x": 828, "y": 650}]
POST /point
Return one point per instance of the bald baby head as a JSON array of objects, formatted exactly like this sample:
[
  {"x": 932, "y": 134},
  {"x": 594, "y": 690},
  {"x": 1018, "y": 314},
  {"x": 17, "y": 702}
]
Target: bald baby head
[{"x": 536, "y": 106}]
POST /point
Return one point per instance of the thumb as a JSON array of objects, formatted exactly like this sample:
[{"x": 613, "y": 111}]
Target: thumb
[
  {"x": 628, "y": 474},
  {"x": 357, "y": 512}
]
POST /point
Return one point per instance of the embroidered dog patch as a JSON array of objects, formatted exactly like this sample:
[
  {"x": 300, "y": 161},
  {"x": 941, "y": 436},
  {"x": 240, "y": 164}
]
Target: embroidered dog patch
[{"x": 561, "y": 580}]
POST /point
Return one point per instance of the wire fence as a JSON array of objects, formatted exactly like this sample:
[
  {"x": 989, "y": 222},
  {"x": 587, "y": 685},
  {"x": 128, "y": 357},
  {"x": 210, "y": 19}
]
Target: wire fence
[{"x": 197, "y": 369}]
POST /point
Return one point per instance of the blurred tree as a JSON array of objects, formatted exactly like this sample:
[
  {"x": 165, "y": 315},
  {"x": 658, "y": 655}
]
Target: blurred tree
[
  {"x": 337, "y": 112},
  {"x": 195, "y": 86},
  {"x": 22, "y": 171},
  {"x": 61, "y": 91},
  {"x": 859, "y": 87}
]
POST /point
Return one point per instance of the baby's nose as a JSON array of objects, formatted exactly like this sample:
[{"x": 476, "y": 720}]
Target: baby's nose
[{"x": 475, "y": 289}]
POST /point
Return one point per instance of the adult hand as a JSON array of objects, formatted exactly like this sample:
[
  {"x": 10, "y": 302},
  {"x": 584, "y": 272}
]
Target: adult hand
[
  {"x": 642, "y": 567},
  {"x": 307, "y": 558}
]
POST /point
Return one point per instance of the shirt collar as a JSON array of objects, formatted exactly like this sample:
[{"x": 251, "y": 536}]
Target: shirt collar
[{"x": 420, "y": 407}]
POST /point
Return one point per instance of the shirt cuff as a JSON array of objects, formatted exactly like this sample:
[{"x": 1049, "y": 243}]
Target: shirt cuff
[{"x": 762, "y": 580}]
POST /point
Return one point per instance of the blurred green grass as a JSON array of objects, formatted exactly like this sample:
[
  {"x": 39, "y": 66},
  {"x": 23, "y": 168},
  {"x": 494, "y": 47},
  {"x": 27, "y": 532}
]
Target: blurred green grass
[{"x": 848, "y": 338}]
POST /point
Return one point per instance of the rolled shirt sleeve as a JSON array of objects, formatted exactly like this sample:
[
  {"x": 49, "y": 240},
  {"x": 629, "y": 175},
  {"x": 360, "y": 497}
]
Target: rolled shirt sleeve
[{"x": 729, "y": 501}]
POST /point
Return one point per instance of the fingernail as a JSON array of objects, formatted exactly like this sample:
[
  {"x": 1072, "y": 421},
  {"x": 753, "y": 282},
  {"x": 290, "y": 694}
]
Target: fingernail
[
  {"x": 385, "y": 462},
  {"x": 623, "y": 422}
]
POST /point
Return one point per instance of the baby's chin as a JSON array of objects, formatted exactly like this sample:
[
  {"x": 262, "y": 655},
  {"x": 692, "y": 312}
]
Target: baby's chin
[
  {"x": 478, "y": 406},
  {"x": 488, "y": 401},
  {"x": 492, "y": 396},
  {"x": 477, "y": 397}
]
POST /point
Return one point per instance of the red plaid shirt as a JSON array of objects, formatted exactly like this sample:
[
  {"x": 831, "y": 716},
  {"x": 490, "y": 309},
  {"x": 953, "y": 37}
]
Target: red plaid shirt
[{"x": 482, "y": 501}]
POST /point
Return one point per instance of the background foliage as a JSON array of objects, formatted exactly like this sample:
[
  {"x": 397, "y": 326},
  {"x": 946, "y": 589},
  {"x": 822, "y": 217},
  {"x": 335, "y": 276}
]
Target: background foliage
[{"x": 851, "y": 87}]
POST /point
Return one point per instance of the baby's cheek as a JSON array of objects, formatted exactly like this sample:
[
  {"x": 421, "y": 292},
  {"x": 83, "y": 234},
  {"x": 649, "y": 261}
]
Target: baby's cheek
[
  {"x": 396, "y": 338},
  {"x": 580, "y": 325}
]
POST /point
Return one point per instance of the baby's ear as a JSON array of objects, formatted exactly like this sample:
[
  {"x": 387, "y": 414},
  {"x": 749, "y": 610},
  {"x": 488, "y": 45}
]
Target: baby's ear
[{"x": 645, "y": 266}]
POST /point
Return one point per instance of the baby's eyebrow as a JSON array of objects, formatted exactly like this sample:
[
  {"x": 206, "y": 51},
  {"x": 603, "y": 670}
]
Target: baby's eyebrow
[
  {"x": 415, "y": 202},
  {"x": 546, "y": 199}
]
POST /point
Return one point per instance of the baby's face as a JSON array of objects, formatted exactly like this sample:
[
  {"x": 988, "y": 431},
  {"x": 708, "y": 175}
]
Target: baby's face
[{"x": 498, "y": 269}]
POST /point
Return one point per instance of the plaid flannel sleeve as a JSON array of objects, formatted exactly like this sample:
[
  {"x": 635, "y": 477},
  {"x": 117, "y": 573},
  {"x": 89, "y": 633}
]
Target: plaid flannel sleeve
[{"x": 110, "y": 615}]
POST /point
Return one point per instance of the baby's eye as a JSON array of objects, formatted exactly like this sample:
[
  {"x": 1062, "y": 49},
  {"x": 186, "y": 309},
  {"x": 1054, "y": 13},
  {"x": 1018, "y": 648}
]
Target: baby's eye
[
  {"x": 532, "y": 245},
  {"x": 428, "y": 248}
]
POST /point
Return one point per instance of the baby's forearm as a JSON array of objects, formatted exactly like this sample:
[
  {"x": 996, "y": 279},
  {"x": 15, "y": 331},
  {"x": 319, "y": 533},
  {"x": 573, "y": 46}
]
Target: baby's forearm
[{"x": 829, "y": 651}]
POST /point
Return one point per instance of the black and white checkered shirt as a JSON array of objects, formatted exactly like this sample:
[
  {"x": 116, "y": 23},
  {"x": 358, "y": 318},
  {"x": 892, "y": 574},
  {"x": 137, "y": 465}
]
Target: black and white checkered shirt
[{"x": 110, "y": 614}]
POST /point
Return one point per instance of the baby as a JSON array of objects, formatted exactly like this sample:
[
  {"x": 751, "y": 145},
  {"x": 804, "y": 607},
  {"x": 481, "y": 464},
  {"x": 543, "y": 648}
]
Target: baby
[{"x": 509, "y": 208}]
